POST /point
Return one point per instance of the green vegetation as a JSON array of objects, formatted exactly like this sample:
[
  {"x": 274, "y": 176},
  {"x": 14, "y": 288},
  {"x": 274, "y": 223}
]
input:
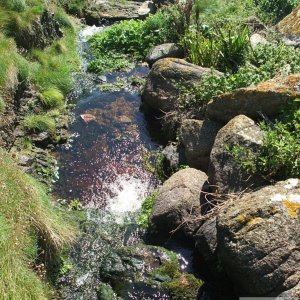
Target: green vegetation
[
  {"x": 180, "y": 285},
  {"x": 2, "y": 105},
  {"x": 39, "y": 123},
  {"x": 147, "y": 207},
  {"x": 130, "y": 39},
  {"x": 27, "y": 218},
  {"x": 263, "y": 63},
  {"x": 52, "y": 98},
  {"x": 272, "y": 11},
  {"x": 279, "y": 156},
  {"x": 220, "y": 48}
]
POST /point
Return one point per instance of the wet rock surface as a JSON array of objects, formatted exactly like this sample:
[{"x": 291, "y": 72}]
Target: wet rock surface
[
  {"x": 259, "y": 242},
  {"x": 225, "y": 175}
]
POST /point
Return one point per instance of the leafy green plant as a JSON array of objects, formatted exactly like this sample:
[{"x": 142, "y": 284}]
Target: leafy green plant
[
  {"x": 133, "y": 38},
  {"x": 219, "y": 48},
  {"x": 52, "y": 98},
  {"x": 109, "y": 63},
  {"x": 75, "y": 204},
  {"x": 279, "y": 156},
  {"x": 263, "y": 63},
  {"x": 147, "y": 207},
  {"x": 39, "y": 123}
]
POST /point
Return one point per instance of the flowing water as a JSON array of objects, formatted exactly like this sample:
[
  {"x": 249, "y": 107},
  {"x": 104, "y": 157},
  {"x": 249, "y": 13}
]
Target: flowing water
[{"x": 103, "y": 167}]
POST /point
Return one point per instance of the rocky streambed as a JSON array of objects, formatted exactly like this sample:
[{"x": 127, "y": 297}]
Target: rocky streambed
[
  {"x": 102, "y": 172},
  {"x": 242, "y": 227}
]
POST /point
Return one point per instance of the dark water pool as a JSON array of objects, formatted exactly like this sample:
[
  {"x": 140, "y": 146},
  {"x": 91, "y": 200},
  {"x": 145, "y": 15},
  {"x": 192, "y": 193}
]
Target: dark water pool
[{"x": 105, "y": 160}]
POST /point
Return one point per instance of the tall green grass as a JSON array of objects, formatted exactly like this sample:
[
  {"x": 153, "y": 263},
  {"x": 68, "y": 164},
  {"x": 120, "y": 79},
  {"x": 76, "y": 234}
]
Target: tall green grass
[{"x": 26, "y": 216}]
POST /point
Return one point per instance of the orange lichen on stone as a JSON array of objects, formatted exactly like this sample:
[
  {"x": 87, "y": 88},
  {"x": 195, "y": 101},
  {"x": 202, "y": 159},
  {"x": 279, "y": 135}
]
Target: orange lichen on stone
[
  {"x": 241, "y": 219},
  {"x": 253, "y": 221},
  {"x": 292, "y": 208}
]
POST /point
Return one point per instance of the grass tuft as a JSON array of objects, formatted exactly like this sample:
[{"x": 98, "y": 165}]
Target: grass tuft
[
  {"x": 39, "y": 123},
  {"x": 52, "y": 98}
]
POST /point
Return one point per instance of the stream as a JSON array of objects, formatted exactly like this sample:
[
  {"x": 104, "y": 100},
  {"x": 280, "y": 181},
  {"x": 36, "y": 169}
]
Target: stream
[{"x": 103, "y": 169}]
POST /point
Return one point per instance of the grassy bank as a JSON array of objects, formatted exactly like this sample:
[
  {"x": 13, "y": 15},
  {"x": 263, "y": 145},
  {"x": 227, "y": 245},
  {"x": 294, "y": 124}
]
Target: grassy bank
[
  {"x": 32, "y": 230},
  {"x": 49, "y": 70},
  {"x": 28, "y": 221}
]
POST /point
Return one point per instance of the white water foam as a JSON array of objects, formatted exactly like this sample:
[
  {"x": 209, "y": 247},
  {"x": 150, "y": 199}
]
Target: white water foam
[
  {"x": 129, "y": 193},
  {"x": 88, "y": 32}
]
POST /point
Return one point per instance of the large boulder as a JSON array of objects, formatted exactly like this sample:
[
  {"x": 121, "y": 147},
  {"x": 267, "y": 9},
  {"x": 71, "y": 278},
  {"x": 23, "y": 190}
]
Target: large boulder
[
  {"x": 165, "y": 81},
  {"x": 99, "y": 11},
  {"x": 178, "y": 205},
  {"x": 224, "y": 172},
  {"x": 259, "y": 240},
  {"x": 197, "y": 137},
  {"x": 164, "y": 51},
  {"x": 289, "y": 27},
  {"x": 267, "y": 97}
]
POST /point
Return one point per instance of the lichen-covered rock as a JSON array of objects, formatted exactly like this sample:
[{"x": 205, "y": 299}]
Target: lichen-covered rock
[
  {"x": 99, "y": 11},
  {"x": 166, "y": 79},
  {"x": 178, "y": 204},
  {"x": 289, "y": 27},
  {"x": 164, "y": 51},
  {"x": 259, "y": 240},
  {"x": 225, "y": 175},
  {"x": 267, "y": 97},
  {"x": 197, "y": 138},
  {"x": 41, "y": 33}
]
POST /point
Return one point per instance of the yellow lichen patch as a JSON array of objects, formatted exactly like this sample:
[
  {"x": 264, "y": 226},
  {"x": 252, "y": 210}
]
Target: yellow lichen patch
[
  {"x": 292, "y": 208},
  {"x": 254, "y": 221},
  {"x": 241, "y": 219}
]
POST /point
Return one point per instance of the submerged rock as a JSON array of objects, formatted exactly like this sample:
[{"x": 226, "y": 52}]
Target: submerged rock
[
  {"x": 166, "y": 79},
  {"x": 259, "y": 240},
  {"x": 164, "y": 51},
  {"x": 178, "y": 205},
  {"x": 225, "y": 175},
  {"x": 197, "y": 137},
  {"x": 267, "y": 98}
]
